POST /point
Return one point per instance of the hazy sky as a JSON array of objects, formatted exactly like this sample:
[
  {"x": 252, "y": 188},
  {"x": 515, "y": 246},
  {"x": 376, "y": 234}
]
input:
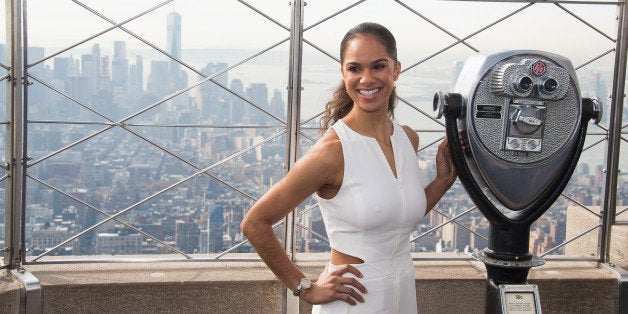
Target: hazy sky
[{"x": 221, "y": 23}]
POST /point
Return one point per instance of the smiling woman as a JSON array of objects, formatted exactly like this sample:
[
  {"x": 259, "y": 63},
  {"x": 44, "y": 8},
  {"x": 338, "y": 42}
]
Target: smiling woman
[
  {"x": 227, "y": 125},
  {"x": 366, "y": 179}
]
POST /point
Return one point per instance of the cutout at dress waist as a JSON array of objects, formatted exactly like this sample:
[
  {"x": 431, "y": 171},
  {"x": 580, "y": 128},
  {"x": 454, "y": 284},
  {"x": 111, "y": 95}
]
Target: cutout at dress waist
[{"x": 339, "y": 258}]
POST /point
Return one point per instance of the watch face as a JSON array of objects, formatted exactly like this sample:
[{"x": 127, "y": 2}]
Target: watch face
[{"x": 306, "y": 283}]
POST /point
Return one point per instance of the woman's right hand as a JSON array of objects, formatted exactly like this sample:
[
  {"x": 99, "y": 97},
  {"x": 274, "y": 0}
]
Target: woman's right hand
[{"x": 332, "y": 286}]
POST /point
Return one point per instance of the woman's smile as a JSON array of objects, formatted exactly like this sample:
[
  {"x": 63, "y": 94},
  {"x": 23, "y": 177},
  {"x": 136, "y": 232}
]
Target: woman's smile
[{"x": 369, "y": 93}]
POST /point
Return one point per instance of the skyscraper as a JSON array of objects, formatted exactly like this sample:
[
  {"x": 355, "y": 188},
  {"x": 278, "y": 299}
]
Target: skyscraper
[
  {"x": 61, "y": 68},
  {"x": 173, "y": 40},
  {"x": 187, "y": 236},
  {"x": 157, "y": 80},
  {"x": 95, "y": 73},
  {"x": 87, "y": 69},
  {"x": 238, "y": 106},
  {"x": 258, "y": 94},
  {"x": 178, "y": 77},
  {"x": 277, "y": 105},
  {"x": 119, "y": 69},
  {"x": 216, "y": 220},
  {"x": 136, "y": 79},
  {"x": 211, "y": 96}
]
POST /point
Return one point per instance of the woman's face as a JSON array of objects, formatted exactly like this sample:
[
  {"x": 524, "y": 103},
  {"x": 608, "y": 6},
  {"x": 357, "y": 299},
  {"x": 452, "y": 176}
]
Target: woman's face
[{"x": 369, "y": 73}]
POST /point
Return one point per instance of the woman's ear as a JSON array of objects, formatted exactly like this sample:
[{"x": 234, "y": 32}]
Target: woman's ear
[{"x": 397, "y": 70}]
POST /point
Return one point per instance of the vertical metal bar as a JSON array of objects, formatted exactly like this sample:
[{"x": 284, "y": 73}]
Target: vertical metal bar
[
  {"x": 614, "y": 134},
  {"x": 15, "y": 135},
  {"x": 21, "y": 127},
  {"x": 291, "y": 303},
  {"x": 6, "y": 259}
]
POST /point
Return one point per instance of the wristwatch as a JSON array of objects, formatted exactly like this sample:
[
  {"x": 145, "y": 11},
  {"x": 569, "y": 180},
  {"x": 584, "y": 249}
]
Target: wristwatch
[{"x": 303, "y": 285}]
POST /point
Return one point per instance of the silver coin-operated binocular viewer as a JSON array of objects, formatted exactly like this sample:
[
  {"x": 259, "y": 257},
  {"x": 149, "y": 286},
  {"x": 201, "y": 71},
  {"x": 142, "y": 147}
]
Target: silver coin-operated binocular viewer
[{"x": 523, "y": 122}]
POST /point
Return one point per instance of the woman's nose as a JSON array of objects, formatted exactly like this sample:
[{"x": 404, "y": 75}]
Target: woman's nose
[{"x": 367, "y": 77}]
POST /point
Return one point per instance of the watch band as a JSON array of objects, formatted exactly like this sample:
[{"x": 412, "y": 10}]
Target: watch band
[
  {"x": 298, "y": 290},
  {"x": 303, "y": 284}
]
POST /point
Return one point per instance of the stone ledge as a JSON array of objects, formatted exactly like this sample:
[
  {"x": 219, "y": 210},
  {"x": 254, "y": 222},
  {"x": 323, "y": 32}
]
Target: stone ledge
[
  {"x": 249, "y": 287},
  {"x": 242, "y": 287},
  {"x": 9, "y": 293}
]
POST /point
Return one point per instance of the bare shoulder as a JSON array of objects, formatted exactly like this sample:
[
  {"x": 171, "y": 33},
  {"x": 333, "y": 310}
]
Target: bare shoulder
[
  {"x": 413, "y": 136},
  {"x": 321, "y": 166},
  {"x": 326, "y": 154}
]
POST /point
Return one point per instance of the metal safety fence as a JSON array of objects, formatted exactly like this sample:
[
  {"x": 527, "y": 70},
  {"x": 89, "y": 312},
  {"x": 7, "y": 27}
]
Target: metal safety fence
[{"x": 145, "y": 131}]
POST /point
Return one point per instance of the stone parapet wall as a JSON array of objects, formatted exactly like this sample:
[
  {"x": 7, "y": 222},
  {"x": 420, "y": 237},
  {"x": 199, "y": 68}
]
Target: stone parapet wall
[{"x": 249, "y": 287}]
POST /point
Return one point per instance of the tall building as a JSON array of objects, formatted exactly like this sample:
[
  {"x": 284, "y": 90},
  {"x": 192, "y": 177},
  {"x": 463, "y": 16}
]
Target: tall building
[
  {"x": 87, "y": 70},
  {"x": 104, "y": 75},
  {"x": 187, "y": 236},
  {"x": 95, "y": 72},
  {"x": 61, "y": 68},
  {"x": 258, "y": 94},
  {"x": 136, "y": 79},
  {"x": 78, "y": 86},
  {"x": 238, "y": 106},
  {"x": 216, "y": 221},
  {"x": 213, "y": 98},
  {"x": 178, "y": 77},
  {"x": 158, "y": 83},
  {"x": 173, "y": 40},
  {"x": 119, "y": 69},
  {"x": 277, "y": 106}
]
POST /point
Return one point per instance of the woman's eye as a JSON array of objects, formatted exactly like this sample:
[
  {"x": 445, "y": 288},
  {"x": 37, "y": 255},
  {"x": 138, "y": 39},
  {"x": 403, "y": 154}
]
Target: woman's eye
[
  {"x": 353, "y": 69},
  {"x": 379, "y": 66}
]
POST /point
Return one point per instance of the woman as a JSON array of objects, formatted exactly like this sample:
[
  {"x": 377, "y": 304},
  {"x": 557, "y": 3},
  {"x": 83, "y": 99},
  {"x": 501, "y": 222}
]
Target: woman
[{"x": 365, "y": 175}]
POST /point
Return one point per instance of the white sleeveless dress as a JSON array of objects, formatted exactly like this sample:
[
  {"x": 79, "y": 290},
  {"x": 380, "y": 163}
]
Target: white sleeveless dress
[{"x": 372, "y": 217}]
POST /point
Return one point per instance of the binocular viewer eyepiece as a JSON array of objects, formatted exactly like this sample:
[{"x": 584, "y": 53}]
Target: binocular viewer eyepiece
[
  {"x": 524, "y": 122},
  {"x": 525, "y": 83},
  {"x": 530, "y": 77}
]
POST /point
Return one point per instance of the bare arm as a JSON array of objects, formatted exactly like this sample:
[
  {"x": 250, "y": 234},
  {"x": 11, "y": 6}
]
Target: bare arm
[
  {"x": 318, "y": 169},
  {"x": 445, "y": 176}
]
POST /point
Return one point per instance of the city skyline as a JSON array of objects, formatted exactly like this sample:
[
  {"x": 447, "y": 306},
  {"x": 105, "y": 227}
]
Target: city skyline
[
  {"x": 457, "y": 21},
  {"x": 127, "y": 167},
  {"x": 454, "y": 239}
]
